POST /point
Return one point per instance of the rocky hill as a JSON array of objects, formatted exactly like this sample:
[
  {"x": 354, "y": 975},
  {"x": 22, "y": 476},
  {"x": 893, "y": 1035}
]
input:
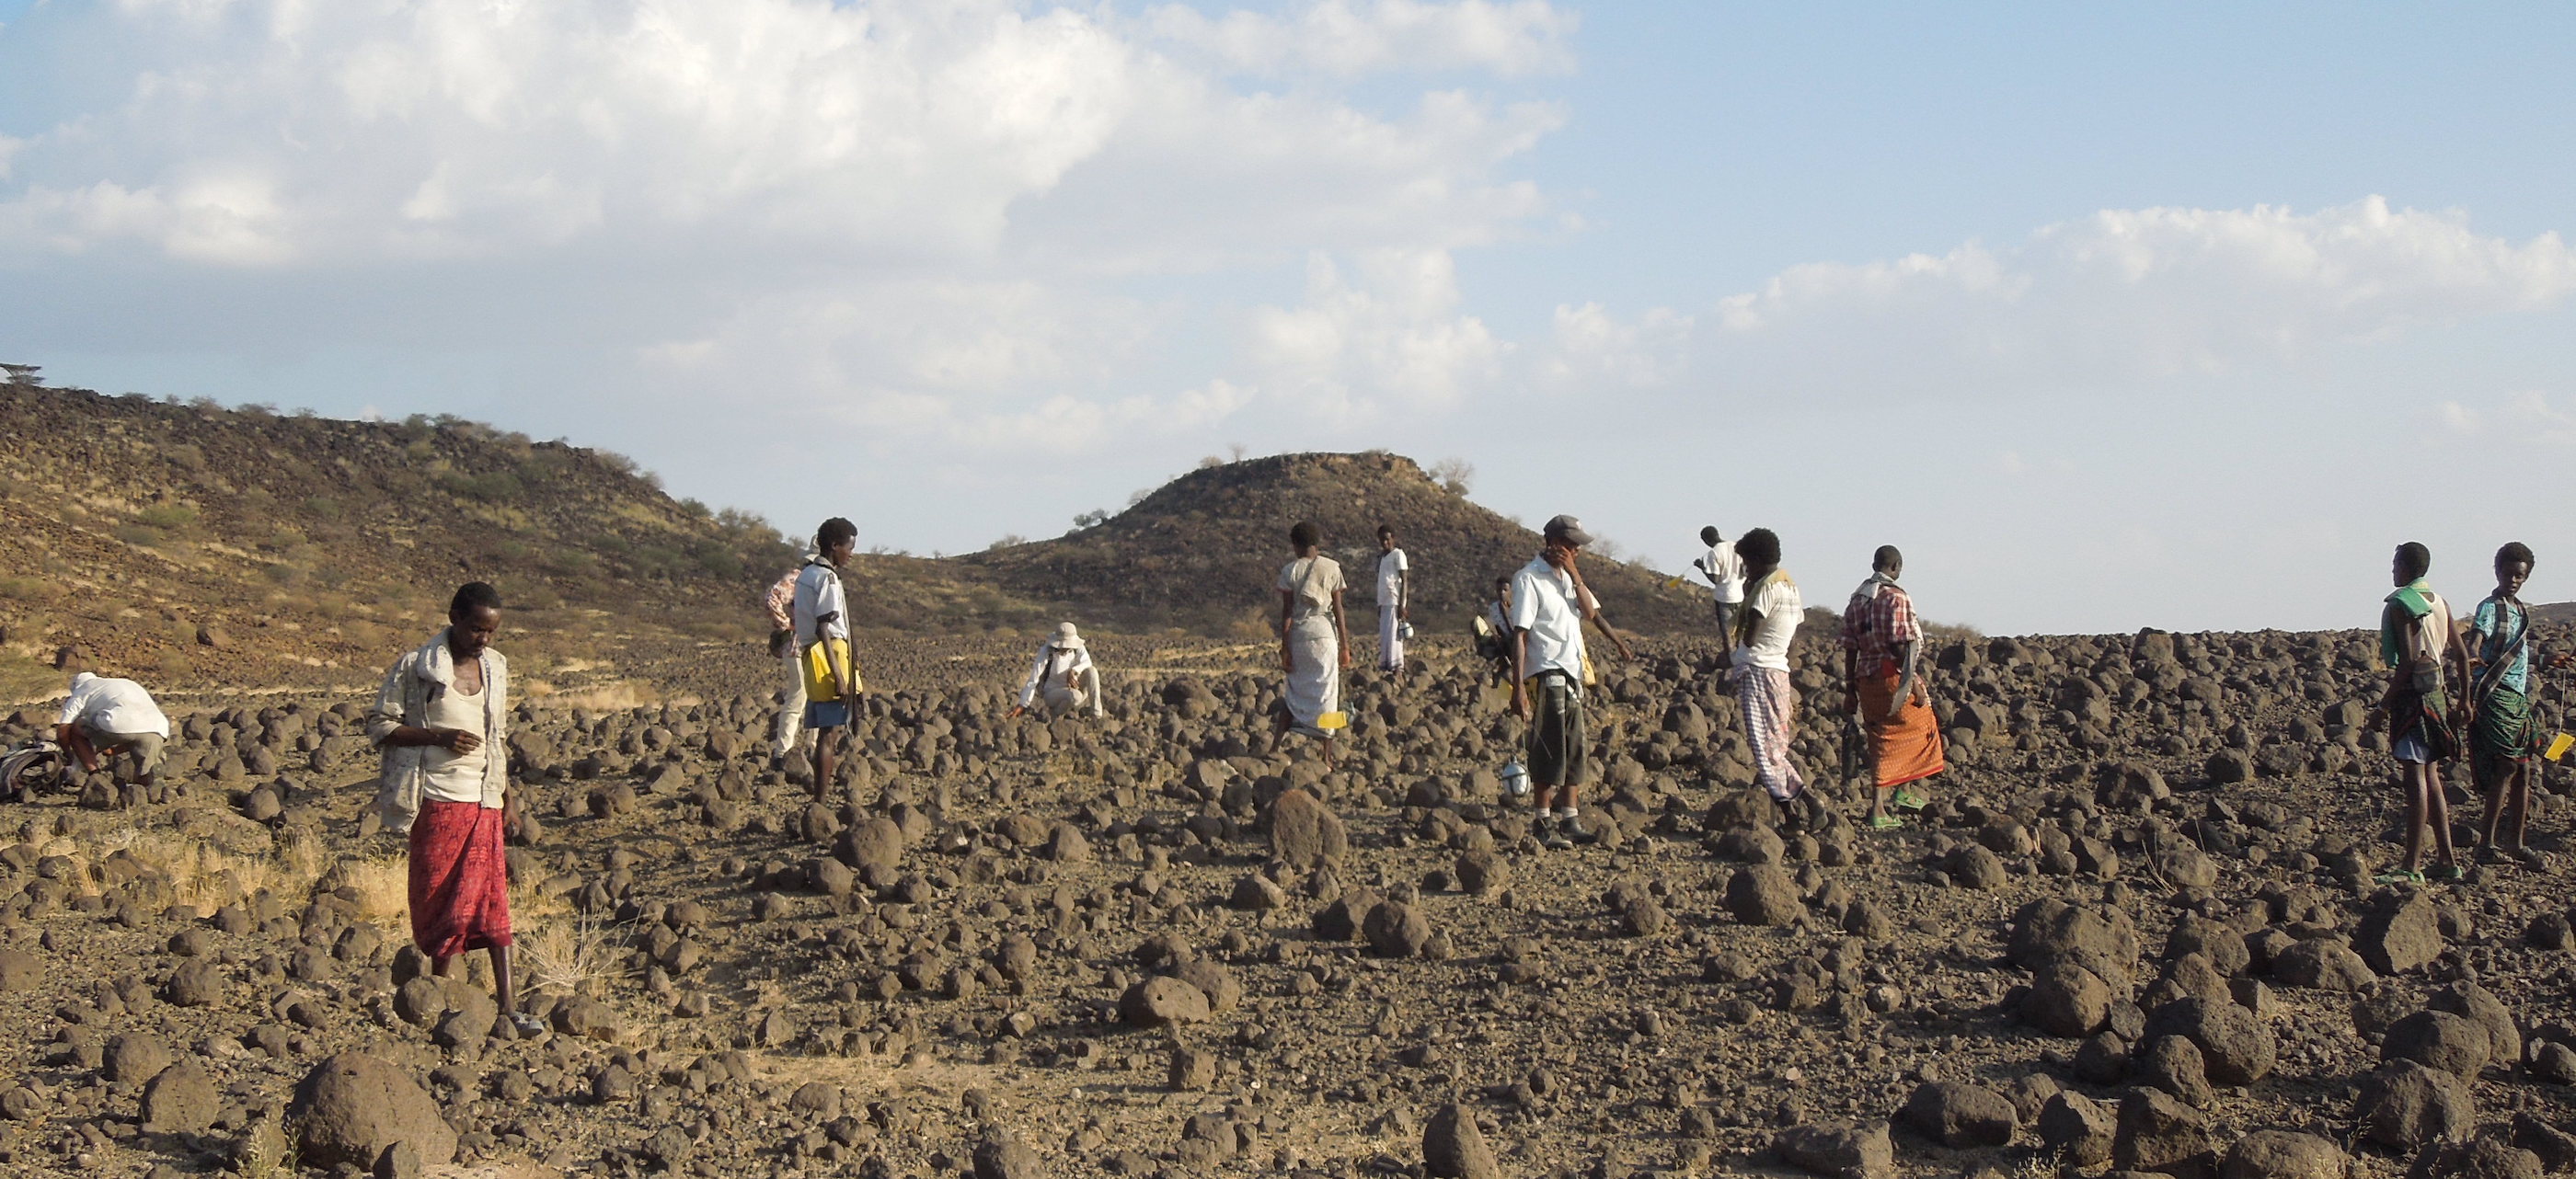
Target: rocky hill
[
  {"x": 1204, "y": 550},
  {"x": 197, "y": 546},
  {"x": 193, "y": 544}
]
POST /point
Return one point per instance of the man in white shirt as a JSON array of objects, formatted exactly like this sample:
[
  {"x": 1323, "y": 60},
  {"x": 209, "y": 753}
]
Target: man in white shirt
[
  {"x": 1394, "y": 586},
  {"x": 1064, "y": 674},
  {"x": 822, "y": 618},
  {"x": 105, "y": 717},
  {"x": 1548, "y": 605},
  {"x": 1725, "y": 573},
  {"x": 1759, "y": 664}
]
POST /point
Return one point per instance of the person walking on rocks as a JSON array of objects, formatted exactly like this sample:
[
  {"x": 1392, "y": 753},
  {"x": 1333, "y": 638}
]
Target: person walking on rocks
[
  {"x": 2504, "y": 734},
  {"x": 106, "y": 719},
  {"x": 1725, "y": 573},
  {"x": 1314, "y": 638},
  {"x": 441, "y": 720},
  {"x": 1493, "y": 627},
  {"x": 780, "y": 605},
  {"x": 2421, "y": 649},
  {"x": 1759, "y": 664},
  {"x": 1394, "y": 600},
  {"x": 821, "y": 615},
  {"x": 1063, "y": 675},
  {"x": 1881, "y": 641},
  {"x": 1549, "y": 604}
]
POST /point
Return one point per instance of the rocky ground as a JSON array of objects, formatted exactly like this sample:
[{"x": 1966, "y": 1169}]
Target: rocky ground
[{"x": 2136, "y": 930}]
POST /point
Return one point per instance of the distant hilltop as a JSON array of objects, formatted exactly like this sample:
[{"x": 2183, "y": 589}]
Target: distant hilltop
[{"x": 1204, "y": 550}]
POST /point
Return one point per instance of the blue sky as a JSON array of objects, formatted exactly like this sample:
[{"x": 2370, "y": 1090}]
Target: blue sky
[{"x": 2176, "y": 316}]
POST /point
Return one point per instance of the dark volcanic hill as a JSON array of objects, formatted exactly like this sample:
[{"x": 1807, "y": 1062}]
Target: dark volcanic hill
[
  {"x": 191, "y": 544},
  {"x": 1204, "y": 550},
  {"x": 194, "y": 546}
]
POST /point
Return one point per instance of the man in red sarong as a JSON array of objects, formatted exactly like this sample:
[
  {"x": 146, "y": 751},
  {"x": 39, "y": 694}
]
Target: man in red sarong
[
  {"x": 441, "y": 720},
  {"x": 1881, "y": 641}
]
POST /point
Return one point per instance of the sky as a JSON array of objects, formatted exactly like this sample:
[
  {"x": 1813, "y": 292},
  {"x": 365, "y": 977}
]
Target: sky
[{"x": 2111, "y": 317}]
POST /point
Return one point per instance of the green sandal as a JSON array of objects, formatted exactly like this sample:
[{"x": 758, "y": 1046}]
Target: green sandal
[
  {"x": 1909, "y": 800},
  {"x": 2446, "y": 873},
  {"x": 2400, "y": 876},
  {"x": 1885, "y": 823}
]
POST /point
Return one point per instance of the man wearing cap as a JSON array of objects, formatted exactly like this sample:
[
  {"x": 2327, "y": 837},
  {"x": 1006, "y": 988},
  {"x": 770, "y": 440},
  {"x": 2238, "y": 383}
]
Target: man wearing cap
[
  {"x": 1064, "y": 673},
  {"x": 1548, "y": 605},
  {"x": 105, "y": 717}
]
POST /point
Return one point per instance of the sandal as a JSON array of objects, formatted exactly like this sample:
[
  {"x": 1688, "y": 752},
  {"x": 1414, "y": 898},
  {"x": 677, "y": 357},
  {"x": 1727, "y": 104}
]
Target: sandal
[
  {"x": 1885, "y": 823},
  {"x": 2400, "y": 876},
  {"x": 1909, "y": 800},
  {"x": 2446, "y": 873}
]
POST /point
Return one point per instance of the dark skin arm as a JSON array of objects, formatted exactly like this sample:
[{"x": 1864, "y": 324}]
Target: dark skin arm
[
  {"x": 1591, "y": 606},
  {"x": 69, "y": 738},
  {"x": 1341, "y": 629},
  {"x": 1287, "y": 649}
]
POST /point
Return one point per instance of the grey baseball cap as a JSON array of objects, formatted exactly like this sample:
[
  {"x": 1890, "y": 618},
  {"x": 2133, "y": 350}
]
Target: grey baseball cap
[{"x": 1567, "y": 529}]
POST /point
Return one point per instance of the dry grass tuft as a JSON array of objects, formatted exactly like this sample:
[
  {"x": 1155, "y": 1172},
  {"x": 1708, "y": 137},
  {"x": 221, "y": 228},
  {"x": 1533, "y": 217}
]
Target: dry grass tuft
[
  {"x": 566, "y": 954},
  {"x": 383, "y": 884}
]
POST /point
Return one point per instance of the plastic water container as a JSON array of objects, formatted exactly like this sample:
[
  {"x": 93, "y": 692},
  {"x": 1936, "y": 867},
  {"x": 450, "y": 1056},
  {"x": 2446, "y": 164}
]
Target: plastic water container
[{"x": 1516, "y": 781}]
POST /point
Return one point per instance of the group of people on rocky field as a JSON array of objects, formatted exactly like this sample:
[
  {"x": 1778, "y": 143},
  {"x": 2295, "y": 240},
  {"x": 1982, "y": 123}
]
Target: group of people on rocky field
[
  {"x": 2452, "y": 691},
  {"x": 440, "y": 718}
]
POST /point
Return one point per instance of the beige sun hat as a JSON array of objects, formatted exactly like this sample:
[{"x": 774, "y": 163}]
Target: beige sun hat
[{"x": 1067, "y": 638}]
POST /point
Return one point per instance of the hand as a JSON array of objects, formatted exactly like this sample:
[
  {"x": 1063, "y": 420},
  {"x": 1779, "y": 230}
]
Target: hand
[
  {"x": 1287, "y": 658},
  {"x": 458, "y": 741},
  {"x": 1520, "y": 701},
  {"x": 1404, "y": 614},
  {"x": 1346, "y": 658},
  {"x": 1017, "y": 709}
]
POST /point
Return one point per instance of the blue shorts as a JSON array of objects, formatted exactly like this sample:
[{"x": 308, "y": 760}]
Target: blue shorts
[
  {"x": 2411, "y": 748},
  {"x": 827, "y": 714}
]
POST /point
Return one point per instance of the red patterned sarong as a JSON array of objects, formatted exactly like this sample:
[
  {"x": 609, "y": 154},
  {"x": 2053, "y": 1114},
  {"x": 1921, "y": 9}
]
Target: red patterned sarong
[{"x": 460, "y": 884}]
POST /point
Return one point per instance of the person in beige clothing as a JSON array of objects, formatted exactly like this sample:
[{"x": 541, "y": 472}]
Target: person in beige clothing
[{"x": 1314, "y": 641}]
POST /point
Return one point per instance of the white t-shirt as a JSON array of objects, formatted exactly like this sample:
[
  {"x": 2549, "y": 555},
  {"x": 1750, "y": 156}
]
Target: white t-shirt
[
  {"x": 1391, "y": 568},
  {"x": 455, "y": 777},
  {"x": 1776, "y": 600},
  {"x": 1727, "y": 570},
  {"x": 1543, "y": 599},
  {"x": 112, "y": 706},
  {"x": 818, "y": 592}
]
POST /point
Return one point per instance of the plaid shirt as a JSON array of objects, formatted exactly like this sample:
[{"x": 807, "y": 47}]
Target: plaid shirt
[
  {"x": 1873, "y": 627},
  {"x": 780, "y": 601}
]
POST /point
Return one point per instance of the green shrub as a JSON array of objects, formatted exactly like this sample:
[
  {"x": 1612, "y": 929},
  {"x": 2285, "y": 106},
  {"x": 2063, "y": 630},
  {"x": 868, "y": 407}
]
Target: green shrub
[
  {"x": 139, "y": 536},
  {"x": 167, "y": 517},
  {"x": 491, "y": 487}
]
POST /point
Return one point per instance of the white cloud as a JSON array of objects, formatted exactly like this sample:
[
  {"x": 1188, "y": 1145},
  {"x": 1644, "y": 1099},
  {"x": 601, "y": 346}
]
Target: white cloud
[
  {"x": 1341, "y": 38},
  {"x": 2107, "y": 300},
  {"x": 1394, "y": 338},
  {"x": 929, "y": 215}
]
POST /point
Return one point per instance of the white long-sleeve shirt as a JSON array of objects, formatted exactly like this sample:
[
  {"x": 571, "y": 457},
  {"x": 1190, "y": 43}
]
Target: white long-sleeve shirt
[
  {"x": 112, "y": 706},
  {"x": 1054, "y": 663}
]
